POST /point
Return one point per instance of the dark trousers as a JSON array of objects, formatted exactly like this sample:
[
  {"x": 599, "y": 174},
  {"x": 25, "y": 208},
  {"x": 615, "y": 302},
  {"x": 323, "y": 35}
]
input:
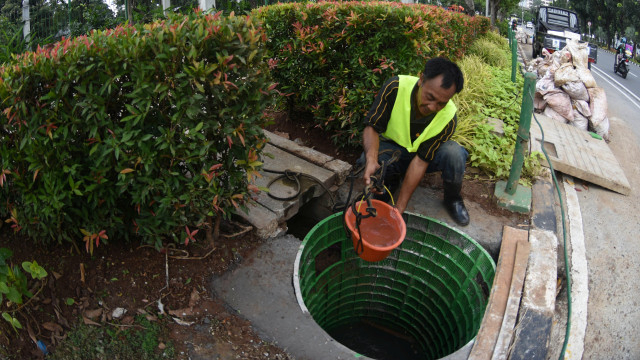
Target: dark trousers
[{"x": 450, "y": 159}]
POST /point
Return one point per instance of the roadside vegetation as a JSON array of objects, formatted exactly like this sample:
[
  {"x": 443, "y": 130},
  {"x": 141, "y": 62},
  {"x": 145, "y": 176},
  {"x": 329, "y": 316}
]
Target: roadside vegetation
[{"x": 100, "y": 144}]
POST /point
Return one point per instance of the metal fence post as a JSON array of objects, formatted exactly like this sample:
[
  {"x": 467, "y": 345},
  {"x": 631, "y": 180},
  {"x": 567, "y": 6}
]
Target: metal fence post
[
  {"x": 514, "y": 58},
  {"x": 26, "y": 29},
  {"x": 509, "y": 195},
  {"x": 166, "y": 4},
  {"x": 523, "y": 132}
]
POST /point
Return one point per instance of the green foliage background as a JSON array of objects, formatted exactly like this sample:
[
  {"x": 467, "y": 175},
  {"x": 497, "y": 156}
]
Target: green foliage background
[{"x": 133, "y": 131}]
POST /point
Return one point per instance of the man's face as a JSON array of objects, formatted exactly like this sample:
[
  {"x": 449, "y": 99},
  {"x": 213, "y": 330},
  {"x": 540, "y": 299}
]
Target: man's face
[{"x": 431, "y": 96}]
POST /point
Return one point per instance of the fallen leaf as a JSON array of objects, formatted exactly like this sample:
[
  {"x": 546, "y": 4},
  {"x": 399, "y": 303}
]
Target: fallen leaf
[
  {"x": 56, "y": 275},
  {"x": 194, "y": 298},
  {"x": 46, "y": 301},
  {"x": 92, "y": 314},
  {"x": 151, "y": 318},
  {"x": 182, "y": 322},
  {"x": 89, "y": 321},
  {"x": 181, "y": 312},
  {"x": 31, "y": 334},
  {"x": 161, "y": 346},
  {"x": 577, "y": 189},
  {"x": 142, "y": 311},
  {"x": 127, "y": 320},
  {"x": 569, "y": 182},
  {"x": 52, "y": 326}
]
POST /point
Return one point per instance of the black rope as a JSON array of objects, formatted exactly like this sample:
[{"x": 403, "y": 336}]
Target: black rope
[
  {"x": 294, "y": 176},
  {"x": 377, "y": 183}
]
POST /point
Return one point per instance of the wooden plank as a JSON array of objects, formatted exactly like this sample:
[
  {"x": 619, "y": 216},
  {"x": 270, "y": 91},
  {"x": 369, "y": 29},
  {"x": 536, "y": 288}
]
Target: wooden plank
[
  {"x": 501, "y": 349},
  {"x": 492, "y": 321},
  {"x": 574, "y": 152}
]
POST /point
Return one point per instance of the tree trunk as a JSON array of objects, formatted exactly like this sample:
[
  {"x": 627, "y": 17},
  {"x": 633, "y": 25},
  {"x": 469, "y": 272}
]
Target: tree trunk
[
  {"x": 213, "y": 230},
  {"x": 493, "y": 4},
  {"x": 471, "y": 9}
]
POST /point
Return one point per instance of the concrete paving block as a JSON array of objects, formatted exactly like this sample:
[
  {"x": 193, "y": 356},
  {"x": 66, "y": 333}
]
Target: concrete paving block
[
  {"x": 492, "y": 320},
  {"x": 264, "y": 221},
  {"x": 340, "y": 168},
  {"x": 538, "y": 300},
  {"x": 281, "y": 161},
  {"x": 303, "y": 152}
]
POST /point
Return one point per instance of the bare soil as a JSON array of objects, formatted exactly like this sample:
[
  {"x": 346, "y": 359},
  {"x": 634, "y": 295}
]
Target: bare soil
[{"x": 174, "y": 280}]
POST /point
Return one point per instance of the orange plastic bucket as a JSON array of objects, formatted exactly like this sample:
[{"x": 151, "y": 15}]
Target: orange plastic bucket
[{"x": 380, "y": 234}]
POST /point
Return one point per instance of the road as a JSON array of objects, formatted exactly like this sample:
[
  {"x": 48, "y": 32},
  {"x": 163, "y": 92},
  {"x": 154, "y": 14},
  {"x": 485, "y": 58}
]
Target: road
[{"x": 610, "y": 229}]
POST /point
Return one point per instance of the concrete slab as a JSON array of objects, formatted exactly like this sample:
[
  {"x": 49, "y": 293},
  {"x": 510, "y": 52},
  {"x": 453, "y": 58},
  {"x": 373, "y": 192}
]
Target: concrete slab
[
  {"x": 262, "y": 292},
  {"x": 492, "y": 320},
  {"x": 520, "y": 201},
  {"x": 574, "y": 152},
  {"x": 579, "y": 275}
]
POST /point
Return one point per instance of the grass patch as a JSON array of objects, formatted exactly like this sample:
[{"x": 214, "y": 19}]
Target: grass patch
[
  {"x": 139, "y": 341},
  {"x": 493, "y": 49}
]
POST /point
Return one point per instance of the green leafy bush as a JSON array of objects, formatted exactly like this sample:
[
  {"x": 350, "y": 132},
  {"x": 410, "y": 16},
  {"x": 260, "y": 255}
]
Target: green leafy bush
[
  {"x": 143, "y": 130},
  {"x": 14, "y": 286},
  {"x": 330, "y": 58},
  {"x": 489, "y": 92}
]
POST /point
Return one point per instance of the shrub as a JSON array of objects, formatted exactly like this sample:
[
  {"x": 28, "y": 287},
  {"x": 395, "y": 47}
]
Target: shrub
[
  {"x": 142, "y": 130},
  {"x": 492, "y": 53},
  {"x": 489, "y": 92},
  {"x": 330, "y": 58}
]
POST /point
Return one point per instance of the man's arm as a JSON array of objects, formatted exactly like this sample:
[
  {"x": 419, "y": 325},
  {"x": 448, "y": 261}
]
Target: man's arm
[
  {"x": 371, "y": 143},
  {"x": 412, "y": 178}
]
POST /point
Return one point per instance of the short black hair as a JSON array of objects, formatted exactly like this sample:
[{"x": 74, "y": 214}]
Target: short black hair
[{"x": 442, "y": 66}]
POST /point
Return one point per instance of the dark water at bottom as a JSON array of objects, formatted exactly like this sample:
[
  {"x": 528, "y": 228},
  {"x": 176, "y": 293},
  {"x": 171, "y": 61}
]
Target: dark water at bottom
[{"x": 376, "y": 341}]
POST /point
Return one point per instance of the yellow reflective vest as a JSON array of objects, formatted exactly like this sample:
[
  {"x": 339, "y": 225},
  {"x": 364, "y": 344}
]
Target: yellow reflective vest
[{"x": 399, "y": 126}]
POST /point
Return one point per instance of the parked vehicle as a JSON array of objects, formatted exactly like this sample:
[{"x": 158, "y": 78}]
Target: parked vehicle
[
  {"x": 553, "y": 27},
  {"x": 529, "y": 25}
]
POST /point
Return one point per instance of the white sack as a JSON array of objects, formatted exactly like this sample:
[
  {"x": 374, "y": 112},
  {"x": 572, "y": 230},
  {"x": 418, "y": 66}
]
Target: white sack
[
  {"x": 545, "y": 84},
  {"x": 565, "y": 73},
  {"x": 576, "y": 90},
  {"x": 579, "y": 53},
  {"x": 602, "y": 129},
  {"x": 586, "y": 77},
  {"x": 597, "y": 105},
  {"x": 560, "y": 102},
  {"x": 549, "y": 112},
  {"x": 538, "y": 101},
  {"x": 580, "y": 121},
  {"x": 582, "y": 107}
]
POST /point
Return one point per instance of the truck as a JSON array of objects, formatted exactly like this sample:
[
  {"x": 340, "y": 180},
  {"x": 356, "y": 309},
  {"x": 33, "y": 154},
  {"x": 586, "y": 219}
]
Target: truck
[{"x": 553, "y": 27}]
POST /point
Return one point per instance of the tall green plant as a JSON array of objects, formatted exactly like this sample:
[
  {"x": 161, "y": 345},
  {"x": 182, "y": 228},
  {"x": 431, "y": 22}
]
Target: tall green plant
[{"x": 11, "y": 40}]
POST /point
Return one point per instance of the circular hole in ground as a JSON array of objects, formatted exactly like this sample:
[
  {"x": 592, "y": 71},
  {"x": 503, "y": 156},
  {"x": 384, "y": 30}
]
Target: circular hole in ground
[{"x": 426, "y": 300}]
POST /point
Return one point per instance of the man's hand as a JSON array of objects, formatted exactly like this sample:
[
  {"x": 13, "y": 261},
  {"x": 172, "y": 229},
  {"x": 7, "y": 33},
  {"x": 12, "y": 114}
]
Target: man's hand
[
  {"x": 371, "y": 143},
  {"x": 370, "y": 168}
]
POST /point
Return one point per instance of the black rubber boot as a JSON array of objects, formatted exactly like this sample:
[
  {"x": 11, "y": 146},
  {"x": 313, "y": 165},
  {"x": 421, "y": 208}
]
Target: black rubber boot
[{"x": 454, "y": 204}]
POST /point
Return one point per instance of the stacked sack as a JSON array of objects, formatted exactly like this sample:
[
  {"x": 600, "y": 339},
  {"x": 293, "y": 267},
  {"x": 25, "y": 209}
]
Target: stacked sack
[{"x": 567, "y": 92}]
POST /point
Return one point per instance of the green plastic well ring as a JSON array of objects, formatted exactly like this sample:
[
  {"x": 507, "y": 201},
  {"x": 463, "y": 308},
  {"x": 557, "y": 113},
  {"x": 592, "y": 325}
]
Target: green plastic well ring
[{"x": 434, "y": 287}]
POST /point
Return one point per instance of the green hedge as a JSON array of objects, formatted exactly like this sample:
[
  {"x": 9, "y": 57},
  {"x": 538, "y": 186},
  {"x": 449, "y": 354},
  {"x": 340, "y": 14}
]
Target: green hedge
[
  {"x": 137, "y": 130},
  {"x": 330, "y": 58}
]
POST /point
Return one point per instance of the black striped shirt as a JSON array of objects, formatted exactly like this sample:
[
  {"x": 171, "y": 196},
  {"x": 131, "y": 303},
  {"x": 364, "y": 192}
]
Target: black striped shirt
[{"x": 380, "y": 113}]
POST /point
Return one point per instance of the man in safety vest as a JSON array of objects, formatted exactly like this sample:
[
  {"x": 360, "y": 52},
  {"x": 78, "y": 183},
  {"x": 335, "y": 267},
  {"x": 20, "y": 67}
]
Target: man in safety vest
[{"x": 417, "y": 117}]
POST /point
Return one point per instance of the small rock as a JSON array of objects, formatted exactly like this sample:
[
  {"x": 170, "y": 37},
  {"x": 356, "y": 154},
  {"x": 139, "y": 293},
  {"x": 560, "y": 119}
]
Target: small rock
[{"x": 118, "y": 312}]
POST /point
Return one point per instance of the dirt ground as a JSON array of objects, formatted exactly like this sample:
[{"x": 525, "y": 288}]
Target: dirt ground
[{"x": 175, "y": 280}]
